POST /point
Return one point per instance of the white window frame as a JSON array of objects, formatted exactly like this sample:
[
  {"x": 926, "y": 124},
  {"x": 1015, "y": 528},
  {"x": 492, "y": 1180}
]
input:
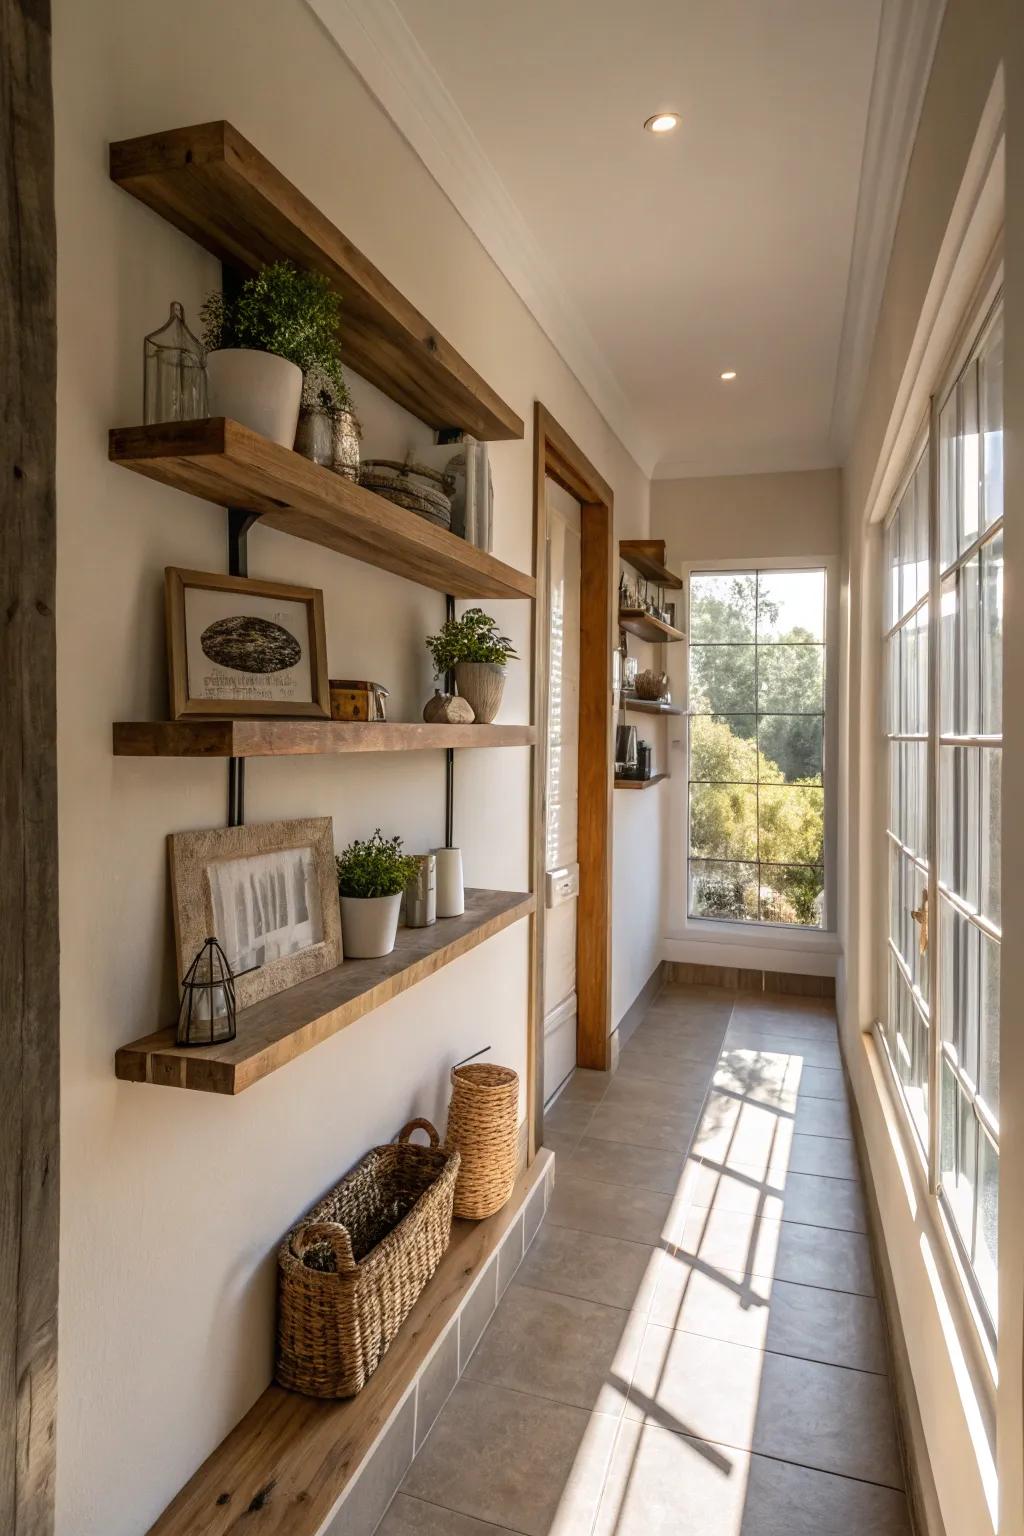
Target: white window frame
[
  {"x": 741, "y": 942},
  {"x": 972, "y": 326}
]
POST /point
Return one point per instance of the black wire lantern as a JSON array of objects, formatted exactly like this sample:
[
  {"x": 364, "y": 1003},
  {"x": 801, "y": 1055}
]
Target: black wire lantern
[{"x": 206, "y": 1014}]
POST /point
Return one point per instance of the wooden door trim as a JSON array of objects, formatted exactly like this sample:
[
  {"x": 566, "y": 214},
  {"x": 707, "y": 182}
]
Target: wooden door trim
[
  {"x": 557, "y": 457},
  {"x": 29, "y": 1022}
]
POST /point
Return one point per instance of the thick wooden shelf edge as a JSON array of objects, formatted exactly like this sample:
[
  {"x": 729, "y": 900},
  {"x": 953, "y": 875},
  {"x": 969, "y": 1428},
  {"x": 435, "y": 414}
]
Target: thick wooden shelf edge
[
  {"x": 225, "y": 463},
  {"x": 275, "y": 1031},
  {"x": 648, "y": 557},
  {"x": 650, "y": 707},
  {"x": 285, "y": 1465},
  {"x": 210, "y": 182},
  {"x": 655, "y": 778},
  {"x": 646, "y": 627},
  {"x": 302, "y": 738}
]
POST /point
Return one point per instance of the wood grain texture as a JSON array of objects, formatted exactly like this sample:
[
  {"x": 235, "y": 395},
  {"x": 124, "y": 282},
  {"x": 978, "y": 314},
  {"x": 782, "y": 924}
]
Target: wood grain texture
[
  {"x": 30, "y": 1007},
  {"x": 284, "y": 1466},
  {"x": 648, "y": 557},
  {"x": 655, "y": 778},
  {"x": 275, "y": 1031},
  {"x": 649, "y": 707},
  {"x": 303, "y": 738},
  {"x": 646, "y": 627},
  {"x": 225, "y": 463},
  {"x": 212, "y": 183}
]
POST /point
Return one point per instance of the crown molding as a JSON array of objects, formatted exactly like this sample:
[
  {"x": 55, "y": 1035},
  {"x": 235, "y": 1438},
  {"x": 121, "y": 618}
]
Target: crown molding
[
  {"x": 383, "y": 50},
  {"x": 907, "y": 37}
]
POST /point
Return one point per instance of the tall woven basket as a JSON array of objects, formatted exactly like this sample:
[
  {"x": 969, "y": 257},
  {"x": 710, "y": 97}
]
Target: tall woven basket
[
  {"x": 482, "y": 1120},
  {"x": 349, "y": 1275}
]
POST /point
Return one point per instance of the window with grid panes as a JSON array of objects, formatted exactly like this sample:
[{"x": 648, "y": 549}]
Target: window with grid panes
[
  {"x": 757, "y": 732},
  {"x": 941, "y": 1023}
]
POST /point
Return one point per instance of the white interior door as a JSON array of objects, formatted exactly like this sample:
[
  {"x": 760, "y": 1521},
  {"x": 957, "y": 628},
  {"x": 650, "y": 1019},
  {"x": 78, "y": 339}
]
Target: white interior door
[{"x": 561, "y": 851}]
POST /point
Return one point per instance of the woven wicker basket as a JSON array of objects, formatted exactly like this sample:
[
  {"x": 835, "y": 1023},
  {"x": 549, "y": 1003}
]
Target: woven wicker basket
[
  {"x": 349, "y": 1275},
  {"x": 482, "y": 1120}
]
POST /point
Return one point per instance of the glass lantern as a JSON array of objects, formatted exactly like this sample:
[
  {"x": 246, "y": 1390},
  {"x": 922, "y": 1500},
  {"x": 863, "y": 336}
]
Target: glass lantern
[
  {"x": 206, "y": 1014},
  {"x": 174, "y": 384}
]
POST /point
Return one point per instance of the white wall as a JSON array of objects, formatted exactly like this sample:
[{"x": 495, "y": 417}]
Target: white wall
[
  {"x": 173, "y": 1202},
  {"x": 789, "y": 516},
  {"x": 969, "y": 1433}
]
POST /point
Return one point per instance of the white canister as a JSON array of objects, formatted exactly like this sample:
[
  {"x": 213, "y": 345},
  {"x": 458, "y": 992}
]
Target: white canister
[{"x": 451, "y": 897}]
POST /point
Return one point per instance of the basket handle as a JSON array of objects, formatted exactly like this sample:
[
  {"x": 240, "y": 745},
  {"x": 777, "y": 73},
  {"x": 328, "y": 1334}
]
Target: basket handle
[
  {"x": 329, "y": 1233},
  {"x": 418, "y": 1125}
]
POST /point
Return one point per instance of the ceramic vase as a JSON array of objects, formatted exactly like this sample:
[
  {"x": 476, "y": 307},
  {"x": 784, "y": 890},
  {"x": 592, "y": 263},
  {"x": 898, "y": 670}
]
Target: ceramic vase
[
  {"x": 451, "y": 896},
  {"x": 313, "y": 437},
  {"x": 258, "y": 389},
  {"x": 369, "y": 925},
  {"x": 482, "y": 683}
]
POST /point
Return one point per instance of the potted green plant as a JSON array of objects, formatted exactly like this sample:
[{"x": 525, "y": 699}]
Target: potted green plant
[
  {"x": 328, "y": 431},
  {"x": 472, "y": 648},
  {"x": 281, "y": 323},
  {"x": 372, "y": 875}
]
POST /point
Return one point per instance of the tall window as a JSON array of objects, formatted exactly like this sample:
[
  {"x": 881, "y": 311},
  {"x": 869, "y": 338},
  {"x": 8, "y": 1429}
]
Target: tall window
[
  {"x": 757, "y": 741},
  {"x": 944, "y": 725}
]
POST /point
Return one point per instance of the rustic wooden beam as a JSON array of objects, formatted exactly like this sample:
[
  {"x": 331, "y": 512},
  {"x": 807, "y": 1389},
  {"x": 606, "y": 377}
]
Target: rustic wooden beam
[{"x": 29, "y": 1021}]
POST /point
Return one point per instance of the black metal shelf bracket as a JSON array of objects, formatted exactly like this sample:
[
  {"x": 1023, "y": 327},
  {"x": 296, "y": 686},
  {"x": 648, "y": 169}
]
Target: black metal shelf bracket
[
  {"x": 240, "y": 520},
  {"x": 449, "y": 756}
]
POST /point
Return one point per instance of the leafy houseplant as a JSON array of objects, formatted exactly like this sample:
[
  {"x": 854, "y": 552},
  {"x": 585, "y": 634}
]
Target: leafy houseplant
[
  {"x": 372, "y": 876},
  {"x": 473, "y": 649},
  {"x": 280, "y": 313}
]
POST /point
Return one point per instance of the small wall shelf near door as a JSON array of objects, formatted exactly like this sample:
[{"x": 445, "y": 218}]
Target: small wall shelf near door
[
  {"x": 212, "y": 183},
  {"x": 223, "y": 462},
  {"x": 646, "y": 627},
  {"x": 647, "y": 556},
  {"x": 640, "y": 783},
  {"x": 303, "y": 738},
  {"x": 650, "y": 707},
  {"x": 273, "y": 1032}
]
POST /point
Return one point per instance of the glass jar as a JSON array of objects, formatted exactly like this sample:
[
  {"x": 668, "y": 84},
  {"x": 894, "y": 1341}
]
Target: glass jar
[{"x": 174, "y": 378}]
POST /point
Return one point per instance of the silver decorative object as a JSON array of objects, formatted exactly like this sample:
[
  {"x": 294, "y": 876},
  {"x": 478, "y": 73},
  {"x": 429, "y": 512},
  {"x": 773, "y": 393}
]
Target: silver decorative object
[
  {"x": 314, "y": 436},
  {"x": 345, "y": 435},
  {"x": 174, "y": 372},
  {"x": 421, "y": 893}
]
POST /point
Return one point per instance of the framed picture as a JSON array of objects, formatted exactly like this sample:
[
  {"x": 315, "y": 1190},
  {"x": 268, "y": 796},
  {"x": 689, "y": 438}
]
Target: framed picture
[
  {"x": 242, "y": 647},
  {"x": 268, "y": 894}
]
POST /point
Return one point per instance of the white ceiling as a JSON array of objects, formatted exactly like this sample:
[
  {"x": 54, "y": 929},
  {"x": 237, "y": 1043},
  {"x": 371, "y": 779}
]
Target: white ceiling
[{"x": 655, "y": 263}]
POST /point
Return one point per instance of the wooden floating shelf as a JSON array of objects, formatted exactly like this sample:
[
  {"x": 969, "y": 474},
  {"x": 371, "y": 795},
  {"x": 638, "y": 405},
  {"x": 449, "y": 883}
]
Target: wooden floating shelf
[
  {"x": 303, "y": 738},
  {"x": 285, "y": 1465},
  {"x": 212, "y": 183},
  {"x": 646, "y": 627},
  {"x": 650, "y": 707},
  {"x": 273, "y": 1032},
  {"x": 648, "y": 557},
  {"x": 640, "y": 783},
  {"x": 223, "y": 462}
]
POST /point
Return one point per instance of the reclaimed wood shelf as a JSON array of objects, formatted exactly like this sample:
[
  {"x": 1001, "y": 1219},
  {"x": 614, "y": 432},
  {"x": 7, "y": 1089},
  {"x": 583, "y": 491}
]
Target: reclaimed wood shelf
[
  {"x": 221, "y": 461},
  {"x": 650, "y": 707},
  {"x": 648, "y": 557},
  {"x": 273, "y": 1032},
  {"x": 303, "y": 738},
  {"x": 285, "y": 1465},
  {"x": 646, "y": 627},
  {"x": 210, "y": 182},
  {"x": 655, "y": 778}
]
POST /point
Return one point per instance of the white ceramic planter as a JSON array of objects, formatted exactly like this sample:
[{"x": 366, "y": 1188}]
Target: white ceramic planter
[
  {"x": 481, "y": 684},
  {"x": 259, "y": 389},
  {"x": 369, "y": 925}
]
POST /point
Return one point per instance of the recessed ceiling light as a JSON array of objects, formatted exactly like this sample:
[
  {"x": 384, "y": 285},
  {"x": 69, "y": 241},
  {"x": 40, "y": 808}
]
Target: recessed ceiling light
[
  {"x": 730, "y": 373},
  {"x": 662, "y": 122}
]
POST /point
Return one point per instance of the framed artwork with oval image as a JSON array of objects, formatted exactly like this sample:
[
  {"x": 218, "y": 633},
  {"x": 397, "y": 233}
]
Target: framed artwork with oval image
[{"x": 236, "y": 646}]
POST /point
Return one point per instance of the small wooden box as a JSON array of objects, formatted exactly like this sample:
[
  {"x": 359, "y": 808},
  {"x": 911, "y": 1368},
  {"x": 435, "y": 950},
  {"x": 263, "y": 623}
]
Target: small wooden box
[{"x": 351, "y": 700}]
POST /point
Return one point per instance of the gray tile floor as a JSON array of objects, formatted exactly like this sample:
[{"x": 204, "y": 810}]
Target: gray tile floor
[{"x": 692, "y": 1346}]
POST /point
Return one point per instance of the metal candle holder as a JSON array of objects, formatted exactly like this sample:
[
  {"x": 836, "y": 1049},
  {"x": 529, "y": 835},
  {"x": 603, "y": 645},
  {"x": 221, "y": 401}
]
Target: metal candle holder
[{"x": 206, "y": 1013}]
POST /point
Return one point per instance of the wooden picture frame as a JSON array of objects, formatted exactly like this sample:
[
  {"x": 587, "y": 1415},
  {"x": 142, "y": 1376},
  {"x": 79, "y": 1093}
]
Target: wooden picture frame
[
  {"x": 288, "y": 630},
  {"x": 201, "y": 870}
]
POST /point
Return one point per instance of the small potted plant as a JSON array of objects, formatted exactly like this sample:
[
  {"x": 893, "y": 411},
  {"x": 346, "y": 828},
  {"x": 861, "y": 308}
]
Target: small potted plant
[
  {"x": 372, "y": 877},
  {"x": 472, "y": 648},
  {"x": 260, "y": 342},
  {"x": 329, "y": 430}
]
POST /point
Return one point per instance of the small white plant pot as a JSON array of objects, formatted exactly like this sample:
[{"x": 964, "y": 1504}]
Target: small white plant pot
[
  {"x": 481, "y": 684},
  {"x": 369, "y": 925},
  {"x": 258, "y": 389}
]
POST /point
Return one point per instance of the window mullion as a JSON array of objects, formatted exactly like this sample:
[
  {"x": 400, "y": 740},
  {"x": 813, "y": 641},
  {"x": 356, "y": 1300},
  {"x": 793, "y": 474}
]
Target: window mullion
[{"x": 934, "y": 707}]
